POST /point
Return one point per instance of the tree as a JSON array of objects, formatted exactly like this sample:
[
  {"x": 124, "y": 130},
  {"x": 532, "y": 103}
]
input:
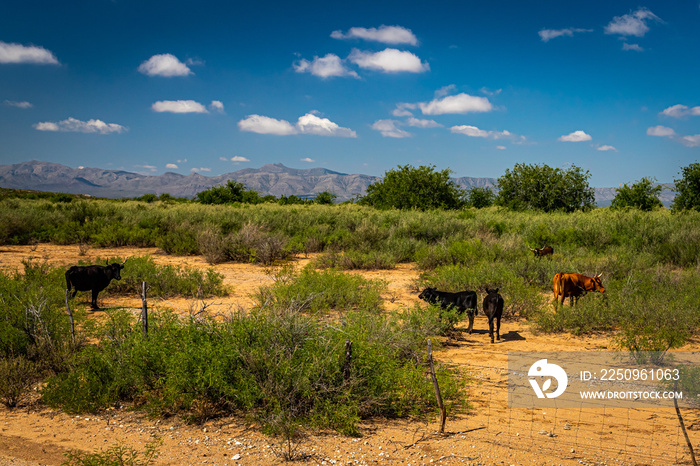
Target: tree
[
  {"x": 232, "y": 192},
  {"x": 688, "y": 189},
  {"x": 407, "y": 187},
  {"x": 545, "y": 188},
  {"x": 325, "y": 197},
  {"x": 480, "y": 197},
  {"x": 641, "y": 195}
]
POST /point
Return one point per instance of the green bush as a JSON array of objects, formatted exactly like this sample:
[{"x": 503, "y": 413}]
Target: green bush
[
  {"x": 117, "y": 455},
  {"x": 17, "y": 374},
  {"x": 321, "y": 291},
  {"x": 281, "y": 366},
  {"x": 164, "y": 280},
  {"x": 407, "y": 187},
  {"x": 640, "y": 195}
]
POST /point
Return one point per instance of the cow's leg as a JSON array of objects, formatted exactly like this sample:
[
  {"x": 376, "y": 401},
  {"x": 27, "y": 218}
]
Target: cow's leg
[
  {"x": 470, "y": 314},
  {"x": 94, "y": 299},
  {"x": 498, "y": 327},
  {"x": 491, "y": 327}
]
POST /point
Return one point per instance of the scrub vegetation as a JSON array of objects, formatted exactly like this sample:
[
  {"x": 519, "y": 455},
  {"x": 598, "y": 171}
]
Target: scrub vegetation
[{"x": 282, "y": 363}]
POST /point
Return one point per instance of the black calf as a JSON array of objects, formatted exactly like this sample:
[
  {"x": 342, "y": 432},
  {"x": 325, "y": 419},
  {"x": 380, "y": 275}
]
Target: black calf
[
  {"x": 462, "y": 301},
  {"x": 493, "y": 308}
]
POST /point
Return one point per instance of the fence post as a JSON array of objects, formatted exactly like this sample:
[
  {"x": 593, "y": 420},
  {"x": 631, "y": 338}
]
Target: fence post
[
  {"x": 680, "y": 420},
  {"x": 443, "y": 412},
  {"x": 144, "y": 312},
  {"x": 348, "y": 359},
  {"x": 70, "y": 314}
]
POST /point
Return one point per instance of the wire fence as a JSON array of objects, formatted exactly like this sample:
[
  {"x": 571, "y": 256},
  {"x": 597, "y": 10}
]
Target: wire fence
[{"x": 605, "y": 435}]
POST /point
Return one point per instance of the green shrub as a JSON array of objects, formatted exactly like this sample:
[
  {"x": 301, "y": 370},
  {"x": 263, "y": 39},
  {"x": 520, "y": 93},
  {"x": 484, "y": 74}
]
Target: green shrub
[
  {"x": 165, "y": 280},
  {"x": 117, "y": 455},
  {"x": 17, "y": 374},
  {"x": 280, "y": 365},
  {"x": 321, "y": 291}
]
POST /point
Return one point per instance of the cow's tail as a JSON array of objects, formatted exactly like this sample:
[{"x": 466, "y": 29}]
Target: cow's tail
[
  {"x": 69, "y": 273},
  {"x": 556, "y": 286}
]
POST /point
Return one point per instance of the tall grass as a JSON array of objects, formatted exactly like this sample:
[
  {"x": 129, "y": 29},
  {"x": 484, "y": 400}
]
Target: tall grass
[{"x": 269, "y": 232}]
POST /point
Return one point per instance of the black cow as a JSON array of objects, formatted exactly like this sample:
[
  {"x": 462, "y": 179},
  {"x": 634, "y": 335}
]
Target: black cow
[
  {"x": 92, "y": 277},
  {"x": 493, "y": 309},
  {"x": 543, "y": 251},
  {"x": 462, "y": 301}
]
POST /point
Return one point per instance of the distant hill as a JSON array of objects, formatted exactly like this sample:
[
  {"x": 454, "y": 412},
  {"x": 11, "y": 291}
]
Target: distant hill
[{"x": 275, "y": 179}]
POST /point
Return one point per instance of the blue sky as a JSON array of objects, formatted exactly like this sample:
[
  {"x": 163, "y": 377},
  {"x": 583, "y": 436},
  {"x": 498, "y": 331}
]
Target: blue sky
[{"x": 356, "y": 87}]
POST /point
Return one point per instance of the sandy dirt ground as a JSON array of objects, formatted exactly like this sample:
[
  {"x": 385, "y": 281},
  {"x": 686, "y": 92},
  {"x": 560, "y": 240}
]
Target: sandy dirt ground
[{"x": 488, "y": 434}]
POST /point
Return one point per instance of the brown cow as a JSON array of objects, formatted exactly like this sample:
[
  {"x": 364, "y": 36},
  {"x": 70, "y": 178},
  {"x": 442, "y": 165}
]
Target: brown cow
[
  {"x": 543, "y": 251},
  {"x": 573, "y": 285}
]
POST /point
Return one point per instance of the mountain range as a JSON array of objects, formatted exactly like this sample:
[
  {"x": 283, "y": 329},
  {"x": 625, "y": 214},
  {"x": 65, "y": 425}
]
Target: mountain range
[{"x": 275, "y": 179}]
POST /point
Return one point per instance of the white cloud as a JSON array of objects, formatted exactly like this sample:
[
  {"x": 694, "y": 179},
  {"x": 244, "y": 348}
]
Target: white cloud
[
  {"x": 501, "y": 147},
  {"x": 384, "y": 34},
  {"x": 548, "y": 34},
  {"x": 71, "y": 125},
  {"x": 306, "y": 124},
  {"x": 633, "y": 24},
  {"x": 307, "y": 159},
  {"x": 266, "y": 125},
  {"x": 606, "y": 148},
  {"x": 402, "y": 110},
  {"x": 489, "y": 92},
  {"x": 178, "y": 106},
  {"x": 388, "y": 61},
  {"x": 216, "y": 106},
  {"x": 329, "y": 66},
  {"x": 679, "y": 111},
  {"x": 18, "y": 53},
  {"x": 166, "y": 65},
  {"x": 475, "y": 132},
  {"x": 460, "y": 103},
  {"x": 22, "y": 104},
  {"x": 390, "y": 129},
  {"x": 239, "y": 159},
  {"x": 445, "y": 90},
  {"x": 312, "y": 124},
  {"x": 471, "y": 131},
  {"x": 691, "y": 141},
  {"x": 660, "y": 131},
  {"x": 201, "y": 169},
  {"x": 635, "y": 47},
  {"x": 576, "y": 136},
  {"x": 171, "y": 166},
  {"x": 419, "y": 123}
]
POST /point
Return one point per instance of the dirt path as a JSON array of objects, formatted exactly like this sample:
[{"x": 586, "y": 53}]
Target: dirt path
[{"x": 490, "y": 434}]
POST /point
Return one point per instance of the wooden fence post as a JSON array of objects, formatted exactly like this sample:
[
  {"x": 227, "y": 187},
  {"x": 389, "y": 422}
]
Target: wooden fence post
[
  {"x": 443, "y": 411},
  {"x": 70, "y": 314},
  {"x": 144, "y": 312},
  {"x": 348, "y": 359},
  {"x": 680, "y": 420}
]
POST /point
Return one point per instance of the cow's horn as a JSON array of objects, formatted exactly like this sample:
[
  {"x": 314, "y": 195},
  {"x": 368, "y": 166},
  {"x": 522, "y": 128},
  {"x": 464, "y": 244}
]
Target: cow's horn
[
  {"x": 125, "y": 261},
  {"x": 599, "y": 275}
]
